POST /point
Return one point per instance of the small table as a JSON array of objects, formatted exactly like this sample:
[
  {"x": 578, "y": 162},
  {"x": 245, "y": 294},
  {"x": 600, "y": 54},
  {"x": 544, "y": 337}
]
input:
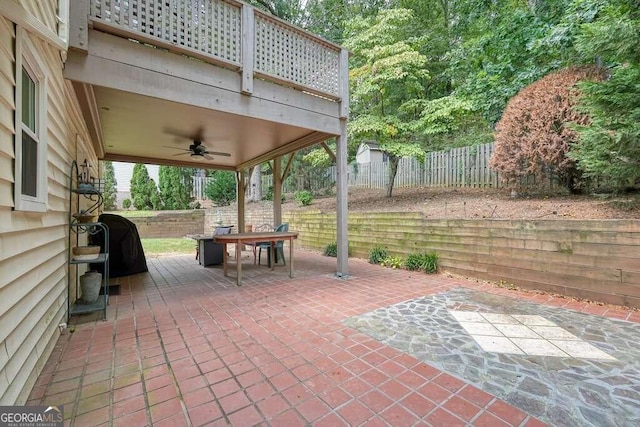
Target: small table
[{"x": 241, "y": 238}]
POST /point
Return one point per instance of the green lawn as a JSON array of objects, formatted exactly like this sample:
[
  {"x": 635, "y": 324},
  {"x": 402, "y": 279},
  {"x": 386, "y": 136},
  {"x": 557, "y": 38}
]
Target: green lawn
[{"x": 168, "y": 246}]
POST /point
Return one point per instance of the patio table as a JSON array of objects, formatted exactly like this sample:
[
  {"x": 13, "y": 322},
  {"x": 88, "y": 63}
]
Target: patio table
[{"x": 243, "y": 238}]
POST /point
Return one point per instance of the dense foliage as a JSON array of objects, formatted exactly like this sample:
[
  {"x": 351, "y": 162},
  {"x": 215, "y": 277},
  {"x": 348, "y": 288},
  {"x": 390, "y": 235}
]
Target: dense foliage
[
  {"x": 534, "y": 134},
  {"x": 609, "y": 147},
  {"x": 109, "y": 193},
  {"x": 175, "y": 187},
  {"x": 144, "y": 192},
  {"x": 428, "y": 75},
  {"x": 221, "y": 188}
]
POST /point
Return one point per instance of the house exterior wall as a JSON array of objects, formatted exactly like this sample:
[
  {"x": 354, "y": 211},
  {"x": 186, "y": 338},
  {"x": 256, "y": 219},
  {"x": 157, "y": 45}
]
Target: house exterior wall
[{"x": 33, "y": 246}]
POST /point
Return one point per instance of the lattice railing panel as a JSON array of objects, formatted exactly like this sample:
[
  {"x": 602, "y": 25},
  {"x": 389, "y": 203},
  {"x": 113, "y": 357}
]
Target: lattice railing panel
[
  {"x": 291, "y": 55},
  {"x": 208, "y": 26}
]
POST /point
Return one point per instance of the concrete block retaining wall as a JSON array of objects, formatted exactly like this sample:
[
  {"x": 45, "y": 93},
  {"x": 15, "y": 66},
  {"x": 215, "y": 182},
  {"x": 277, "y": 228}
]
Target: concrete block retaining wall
[
  {"x": 593, "y": 259},
  {"x": 170, "y": 223}
]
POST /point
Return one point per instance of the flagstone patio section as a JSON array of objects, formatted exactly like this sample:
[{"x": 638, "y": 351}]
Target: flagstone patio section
[{"x": 183, "y": 346}]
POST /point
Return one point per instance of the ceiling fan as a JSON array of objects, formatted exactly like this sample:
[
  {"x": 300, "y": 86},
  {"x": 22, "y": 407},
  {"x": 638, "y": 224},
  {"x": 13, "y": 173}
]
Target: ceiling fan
[{"x": 196, "y": 149}]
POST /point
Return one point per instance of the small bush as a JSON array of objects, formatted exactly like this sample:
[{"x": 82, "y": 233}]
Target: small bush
[
  {"x": 126, "y": 203},
  {"x": 425, "y": 261},
  {"x": 392, "y": 262},
  {"x": 268, "y": 195},
  {"x": 377, "y": 255},
  {"x": 331, "y": 249},
  {"x": 303, "y": 197}
]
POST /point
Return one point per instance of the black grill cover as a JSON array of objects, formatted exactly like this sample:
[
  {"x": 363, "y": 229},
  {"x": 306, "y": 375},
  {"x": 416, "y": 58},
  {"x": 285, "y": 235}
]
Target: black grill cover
[{"x": 126, "y": 255}]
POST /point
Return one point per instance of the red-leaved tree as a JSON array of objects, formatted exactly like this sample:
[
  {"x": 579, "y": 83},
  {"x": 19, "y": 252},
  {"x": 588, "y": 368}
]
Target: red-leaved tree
[{"x": 534, "y": 134}]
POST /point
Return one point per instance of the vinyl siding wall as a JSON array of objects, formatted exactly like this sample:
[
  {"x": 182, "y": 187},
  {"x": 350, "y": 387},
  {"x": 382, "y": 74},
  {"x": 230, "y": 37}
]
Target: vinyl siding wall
[{"x": 33, "y": 246}]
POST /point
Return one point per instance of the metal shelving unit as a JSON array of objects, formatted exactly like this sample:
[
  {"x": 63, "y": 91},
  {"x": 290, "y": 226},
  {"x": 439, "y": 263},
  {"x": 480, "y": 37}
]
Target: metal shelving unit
[{"x": 78, "y": 191}]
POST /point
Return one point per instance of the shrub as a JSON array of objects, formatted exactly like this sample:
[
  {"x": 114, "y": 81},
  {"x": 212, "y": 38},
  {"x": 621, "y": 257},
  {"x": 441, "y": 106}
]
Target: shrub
[
  {"x": 268, "y": 195},
  {"x": 425, "y": 261},
  {"x": 536, "y": 129},
  {"x": 126, "y": 203},
  {"x": 303, "y": 197},
  {"x": 392, "y": 262},
  {"x": 377, "y": 255},
  {"x": 331, "y": 249},
  {"x": 221, "y": 188}
]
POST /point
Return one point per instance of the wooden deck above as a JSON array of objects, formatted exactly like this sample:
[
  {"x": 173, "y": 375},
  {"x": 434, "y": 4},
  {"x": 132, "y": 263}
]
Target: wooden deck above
[{"x": 152, "y": 75}]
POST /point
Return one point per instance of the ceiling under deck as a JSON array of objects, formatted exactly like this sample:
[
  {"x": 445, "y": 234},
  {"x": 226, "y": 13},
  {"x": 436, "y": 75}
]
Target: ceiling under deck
[{"x": 139, "y": 128}]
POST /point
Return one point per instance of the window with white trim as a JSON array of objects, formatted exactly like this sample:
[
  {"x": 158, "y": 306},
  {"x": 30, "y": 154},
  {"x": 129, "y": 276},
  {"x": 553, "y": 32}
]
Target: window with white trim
[{"x": 30, "y": 165}]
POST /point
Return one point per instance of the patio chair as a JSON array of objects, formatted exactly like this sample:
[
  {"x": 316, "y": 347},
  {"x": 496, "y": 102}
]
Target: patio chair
[
  {"x": 279, "y": 247},
  {"x": 254, "y": 246}
]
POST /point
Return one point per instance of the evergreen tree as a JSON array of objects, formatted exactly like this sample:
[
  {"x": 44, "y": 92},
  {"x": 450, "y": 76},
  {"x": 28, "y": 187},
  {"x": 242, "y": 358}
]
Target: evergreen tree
[
  {"x": 221, "y": 188},
  {"x": 176, "y": 184},
  {"x": 143, "y": 189},
  {"x": 109, "y": 193},
  {"x": 609, "y": 146}
]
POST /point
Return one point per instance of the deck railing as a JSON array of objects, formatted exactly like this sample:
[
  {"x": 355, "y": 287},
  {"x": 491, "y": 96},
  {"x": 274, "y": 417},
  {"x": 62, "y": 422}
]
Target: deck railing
[{"x": 231, "y": 34}]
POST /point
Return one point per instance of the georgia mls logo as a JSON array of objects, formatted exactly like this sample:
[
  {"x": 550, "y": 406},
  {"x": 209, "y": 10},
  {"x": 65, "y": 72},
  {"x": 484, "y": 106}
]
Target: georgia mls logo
[{"x": 31, "y": 416}]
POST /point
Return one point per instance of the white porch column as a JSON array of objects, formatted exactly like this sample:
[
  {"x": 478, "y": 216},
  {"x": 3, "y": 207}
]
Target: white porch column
[{"x": 341, "y": 209}]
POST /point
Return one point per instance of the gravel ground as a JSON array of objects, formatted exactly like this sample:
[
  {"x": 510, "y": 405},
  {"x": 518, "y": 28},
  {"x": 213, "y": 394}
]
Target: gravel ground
[{"x": 457, "y": 203}]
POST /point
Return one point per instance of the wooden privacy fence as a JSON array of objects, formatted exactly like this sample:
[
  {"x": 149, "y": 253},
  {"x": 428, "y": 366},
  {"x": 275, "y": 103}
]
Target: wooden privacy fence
[{"x": 456, "y": 167}]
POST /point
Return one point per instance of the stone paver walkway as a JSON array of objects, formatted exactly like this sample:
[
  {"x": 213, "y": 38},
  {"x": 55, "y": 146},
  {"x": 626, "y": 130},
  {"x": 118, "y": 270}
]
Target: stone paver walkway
[
  {"x": 528, "y": 367},
  {"x": 184, "y": 346}
]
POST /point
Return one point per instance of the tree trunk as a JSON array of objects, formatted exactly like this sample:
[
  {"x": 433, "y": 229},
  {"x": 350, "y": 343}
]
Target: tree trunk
[
  {"x": 393, "y": 170},
  {"x": 255, "y": 184}
]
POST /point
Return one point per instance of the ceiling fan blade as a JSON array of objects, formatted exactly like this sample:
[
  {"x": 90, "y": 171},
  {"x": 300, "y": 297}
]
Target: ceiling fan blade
[
  {"x": 176, "y": 148},
  {"x": 217, "y": 153},
  {"x": 181, "y": 154},
  {"x": 207, "y": 156},
  {"x": 198, "y": 135}
]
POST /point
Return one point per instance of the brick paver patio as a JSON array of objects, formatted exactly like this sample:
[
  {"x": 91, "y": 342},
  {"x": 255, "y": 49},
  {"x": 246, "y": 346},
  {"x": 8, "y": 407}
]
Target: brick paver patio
[{"x": 184, "y": 346}]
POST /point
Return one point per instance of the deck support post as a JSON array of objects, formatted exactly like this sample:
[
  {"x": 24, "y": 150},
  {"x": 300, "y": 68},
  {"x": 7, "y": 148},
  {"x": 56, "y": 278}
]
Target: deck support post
[
  {"x": 341, "y": 205},
  {"x": 240, "y": 191},
  {"x": 277, "y": 191}
]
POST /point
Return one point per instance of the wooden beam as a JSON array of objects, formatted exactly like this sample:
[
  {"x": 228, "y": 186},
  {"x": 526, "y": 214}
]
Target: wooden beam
[
  {"x": 287, "y": 167},
  {"x": 165, "y": 162},
  {"x": 331, "y": 154},
  {"x": 341, "y": 205},
  {"x": 277, "y": 191},
  {"x": 89, "y": 107},
  {"x": 193, "y": 85},
  {"x": 16, "y": 13},
  {"x": 240, "y": 198},
  {"x": 248, "y": 48},
  {"x": 306, "y": 141},
  {"x": 79, "y": 25},
  {"x": 344, "y": 84}
]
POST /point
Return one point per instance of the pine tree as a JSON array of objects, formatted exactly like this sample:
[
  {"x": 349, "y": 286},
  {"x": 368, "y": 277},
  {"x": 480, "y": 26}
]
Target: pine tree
[
  {"x": 143, "y": 189},
  {"x": 221, "y": 188},
  {"x": 176, "y": 184},
  {"x": 110, "y": 183}
]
